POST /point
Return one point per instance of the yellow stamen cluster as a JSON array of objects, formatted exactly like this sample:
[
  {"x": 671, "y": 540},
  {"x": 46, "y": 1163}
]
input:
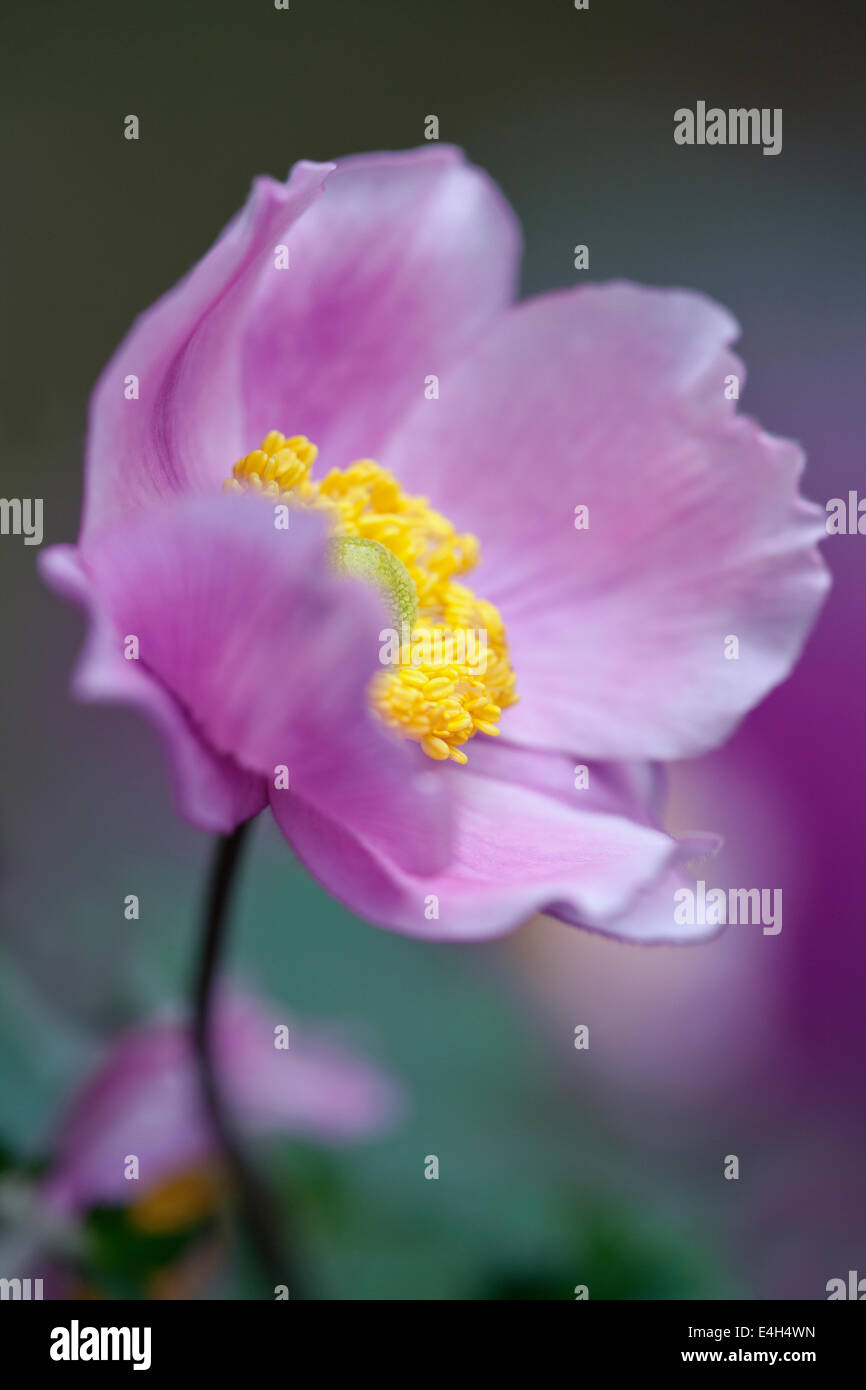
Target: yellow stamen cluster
[
  {"x": 179, "y": 1201},
  {"x": 438, "y": 692},
  {"x": 276, "y": 469}
]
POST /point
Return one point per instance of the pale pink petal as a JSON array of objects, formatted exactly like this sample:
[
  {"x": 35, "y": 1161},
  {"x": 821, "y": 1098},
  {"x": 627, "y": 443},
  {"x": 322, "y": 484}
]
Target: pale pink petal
[
  {"x": 649, "y": 919},
  {"x": 635, "y": 790},
  {"x": 520, "y": 849},
  {"x": 211, "y": 789},
  {"x": 145, "y": 1101},
  {"x": 271, "y": 653},
  {"x": 187, "y": 427},
  {"x": 391, "y": 273},
  {"x": 614, "y": 398}
]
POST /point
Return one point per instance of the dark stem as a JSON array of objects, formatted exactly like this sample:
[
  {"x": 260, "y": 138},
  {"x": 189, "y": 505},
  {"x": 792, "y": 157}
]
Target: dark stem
[{"x": 259, "y": 1214}]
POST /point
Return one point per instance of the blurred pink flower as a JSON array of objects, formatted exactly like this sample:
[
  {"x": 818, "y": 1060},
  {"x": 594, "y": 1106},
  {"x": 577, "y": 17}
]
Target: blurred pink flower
[
  {"x": 330, "y": 314},
  {"x": 145, "y": 1100}
]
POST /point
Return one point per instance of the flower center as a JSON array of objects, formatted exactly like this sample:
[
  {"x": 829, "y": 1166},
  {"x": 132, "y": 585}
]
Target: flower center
[
  {"x": 179, "y": 1201},
  {"x": 372, "y": 561},
  {"x": 447, "y": 674}
]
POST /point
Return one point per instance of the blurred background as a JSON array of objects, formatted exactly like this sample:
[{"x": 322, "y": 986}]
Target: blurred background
[{"x": 558, "y": 1167}]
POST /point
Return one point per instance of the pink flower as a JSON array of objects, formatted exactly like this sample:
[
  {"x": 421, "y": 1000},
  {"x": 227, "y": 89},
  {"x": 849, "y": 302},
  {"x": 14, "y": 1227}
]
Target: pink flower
[
  {"x": 379, "y": 320},
  {"x": 144, "y": 1100}
]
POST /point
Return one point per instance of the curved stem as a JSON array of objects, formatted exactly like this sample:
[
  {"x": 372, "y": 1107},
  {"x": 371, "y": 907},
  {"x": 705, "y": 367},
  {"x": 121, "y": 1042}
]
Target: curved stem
[{"x": 258, "y": 1211}]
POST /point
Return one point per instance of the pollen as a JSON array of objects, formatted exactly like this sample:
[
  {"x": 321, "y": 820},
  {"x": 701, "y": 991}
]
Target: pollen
[{"x": 445, "y": 670}]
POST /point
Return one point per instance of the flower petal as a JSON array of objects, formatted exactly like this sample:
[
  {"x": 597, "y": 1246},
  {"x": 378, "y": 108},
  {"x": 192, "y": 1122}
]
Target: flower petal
[
  {"x": 614, "y": 398},
  {"x": 187, "y": 426},
  {"x": 398, "y": 265},
  {"x": 649, "y": 919},
  {"x": 211, "y": 790},
  {"x": 519, "y": 849},
  {"x": 145, "y": 1100},
  {"x": 271, "y": 653}
]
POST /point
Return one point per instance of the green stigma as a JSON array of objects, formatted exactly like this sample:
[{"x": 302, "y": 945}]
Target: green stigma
[{"x": 377, "y": 565}]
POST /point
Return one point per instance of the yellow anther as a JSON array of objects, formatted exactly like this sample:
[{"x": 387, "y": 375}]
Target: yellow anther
[
  {"x": 448, "y": 676},
  {"x": 440, "y": 685},
  {"x": 435, "y": 747},
  {"x": 278, "y": 468}
]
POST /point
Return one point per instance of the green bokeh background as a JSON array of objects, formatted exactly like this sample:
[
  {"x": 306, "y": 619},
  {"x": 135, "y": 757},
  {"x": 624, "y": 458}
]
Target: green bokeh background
[{"x": 572, "y": 114}]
